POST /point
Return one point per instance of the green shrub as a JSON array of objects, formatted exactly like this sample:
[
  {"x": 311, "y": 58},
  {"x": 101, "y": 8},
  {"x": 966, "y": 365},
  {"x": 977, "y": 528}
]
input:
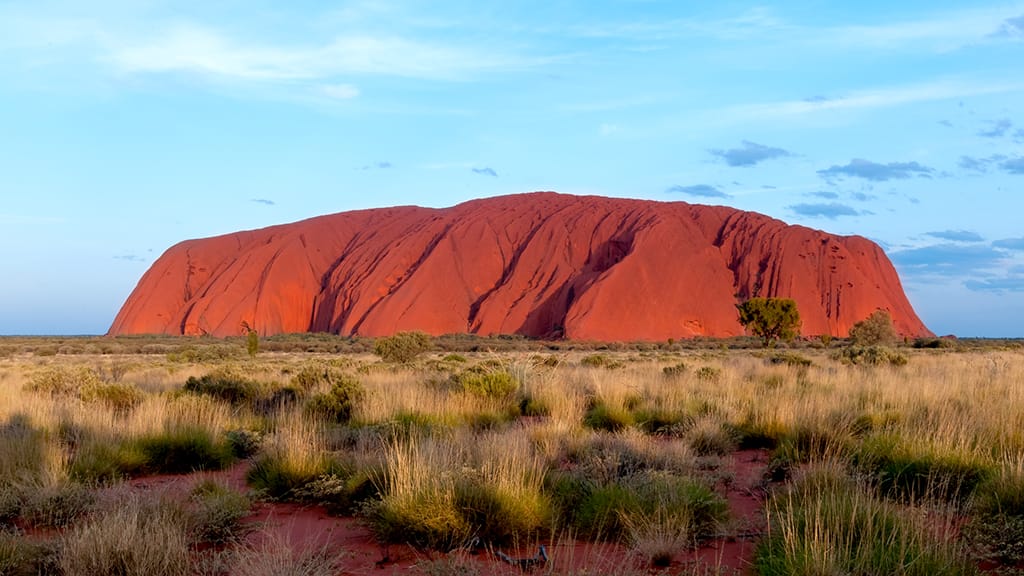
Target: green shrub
[
  {"x": 486, "y": 383},
  {"x": 402, "y": 347},
  {"x": 871, "y": 356},
  {"x": 120, "y": 397},
  {"x": 317, "y": 375},
  {"x": 184, "y": 449},
  {"x": 600, "y": 361},
  {"x": 101, "y": 461},
  {"x": 243, "y": 443},
  {"x": 337, "y": 404},
  {"x": 901, "y": 471},
  {"x": 708, "y": 373},
  {"x": 712, "y": 438},
  {"x": 500, "y": 514},
  {"x": 790, "y": 359},
  {"x": 63, "y": 381},
  {"x": 278, "y": 479},
  {"x": 937, "y": 343},
  {"x": 602, "y": 416},
  {"x": 216, "y": 512},
  {"x": 531, "y": 405},
  {"x": 674, "y": 370},
  {"x": 225, "y": 384},
  {"x": 607, "y": 510},
  {"x": 454, "y": 358},
  {"x": 339, "y": 493},
  {"x": 663, "y": 421},
  {"x": 192, "y": 354}
]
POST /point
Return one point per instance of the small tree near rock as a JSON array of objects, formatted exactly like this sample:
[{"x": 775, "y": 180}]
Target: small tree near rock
[
  {"x": 770, "y": 318},
  {"x": 875, "y": 330}
]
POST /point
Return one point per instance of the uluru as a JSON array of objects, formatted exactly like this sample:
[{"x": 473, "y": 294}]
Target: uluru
[{"x": 542, "y": 264}]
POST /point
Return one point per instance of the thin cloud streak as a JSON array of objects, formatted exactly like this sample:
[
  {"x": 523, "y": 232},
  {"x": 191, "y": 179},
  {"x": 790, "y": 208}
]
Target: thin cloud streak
[
  {"x": 876, "y": 98},
  {"x": 199, "y": 49}
]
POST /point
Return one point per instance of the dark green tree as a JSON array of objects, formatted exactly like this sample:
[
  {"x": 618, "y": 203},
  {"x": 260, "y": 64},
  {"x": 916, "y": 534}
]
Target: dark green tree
[{"x": 770, "y": 319}]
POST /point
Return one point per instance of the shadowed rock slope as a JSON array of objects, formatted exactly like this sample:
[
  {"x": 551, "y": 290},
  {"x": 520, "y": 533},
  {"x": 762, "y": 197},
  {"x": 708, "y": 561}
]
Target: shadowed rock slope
[{"x": 540, "y": 264}]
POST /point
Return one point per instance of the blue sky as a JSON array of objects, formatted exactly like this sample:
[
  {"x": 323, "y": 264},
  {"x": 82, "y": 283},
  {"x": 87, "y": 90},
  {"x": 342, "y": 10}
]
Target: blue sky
[{"x": 127, "y": 126}]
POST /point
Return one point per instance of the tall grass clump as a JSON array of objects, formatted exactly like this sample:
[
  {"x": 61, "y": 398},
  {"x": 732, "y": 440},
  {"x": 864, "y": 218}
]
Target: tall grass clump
[
  {"x": 20, "y": 556},
  {"x": 670, "y": 514},
  {"x": 276, "y": 556},
  {"x": 292, "y": 456},
  {"x": 911, "y": 470},
  {"x": 437, "y": 494},
  {"x": 828, "y": 524},
  {"x": 183, "y": 449},
  {"x": 133, "y": 537},
  {"x": 996, "y": 527}
]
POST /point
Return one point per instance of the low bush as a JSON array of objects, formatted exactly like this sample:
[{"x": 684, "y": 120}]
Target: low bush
[
  {"x": 216, "y": 512},
  {"x": 486, "y": 383},
  {"x": 902, "y": 471},
  {"x": 711, "y": 437},
  {"x": 790, "y": 359},
  {"x": 243, "y": 443},
  {"x": 601, "y": 416},
  {"x": 663, "y": 421},
  {"x": 339, "y": 493},
  {"x": 106, "y": 461},
  {"x": 600, "y": 361},
  {"x": 871, "y": 356},
  {"x": 227, "y": 384},
  {"x": 318, "y": 375},
  {"x": 119, "y": 397},
  {"x": 934, "y": 343},
  {"x": 674, "y": 370},
  {"x": 636, "y": 507},
  {"x": 280, "y": 477},
  {"x": 402, "y": 347},
  {"x": 337, "y": 404},
  {"x": 184, "y": 449},
  {"x": 708, "y": 374}
]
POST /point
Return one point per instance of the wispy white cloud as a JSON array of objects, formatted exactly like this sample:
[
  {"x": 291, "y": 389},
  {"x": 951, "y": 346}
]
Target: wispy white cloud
[
  {"x": 941, "y": 31},
  {"x": 193, "y": 48},
  {"x": 340, "y": 91},
  {"x": 885, "y": 97}
]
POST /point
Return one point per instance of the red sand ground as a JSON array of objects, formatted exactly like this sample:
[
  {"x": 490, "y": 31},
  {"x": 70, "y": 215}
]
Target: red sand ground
[
  {"x": 542, "y": 265},
  {"x": 310, "y": 527}
]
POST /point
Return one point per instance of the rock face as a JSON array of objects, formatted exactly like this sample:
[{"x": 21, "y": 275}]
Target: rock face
[{"x": 542, "y": 264}]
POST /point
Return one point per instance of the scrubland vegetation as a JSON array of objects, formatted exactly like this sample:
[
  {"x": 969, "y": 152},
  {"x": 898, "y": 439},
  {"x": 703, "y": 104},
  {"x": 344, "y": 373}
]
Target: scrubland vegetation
[{"x": 881, "y": 460}]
